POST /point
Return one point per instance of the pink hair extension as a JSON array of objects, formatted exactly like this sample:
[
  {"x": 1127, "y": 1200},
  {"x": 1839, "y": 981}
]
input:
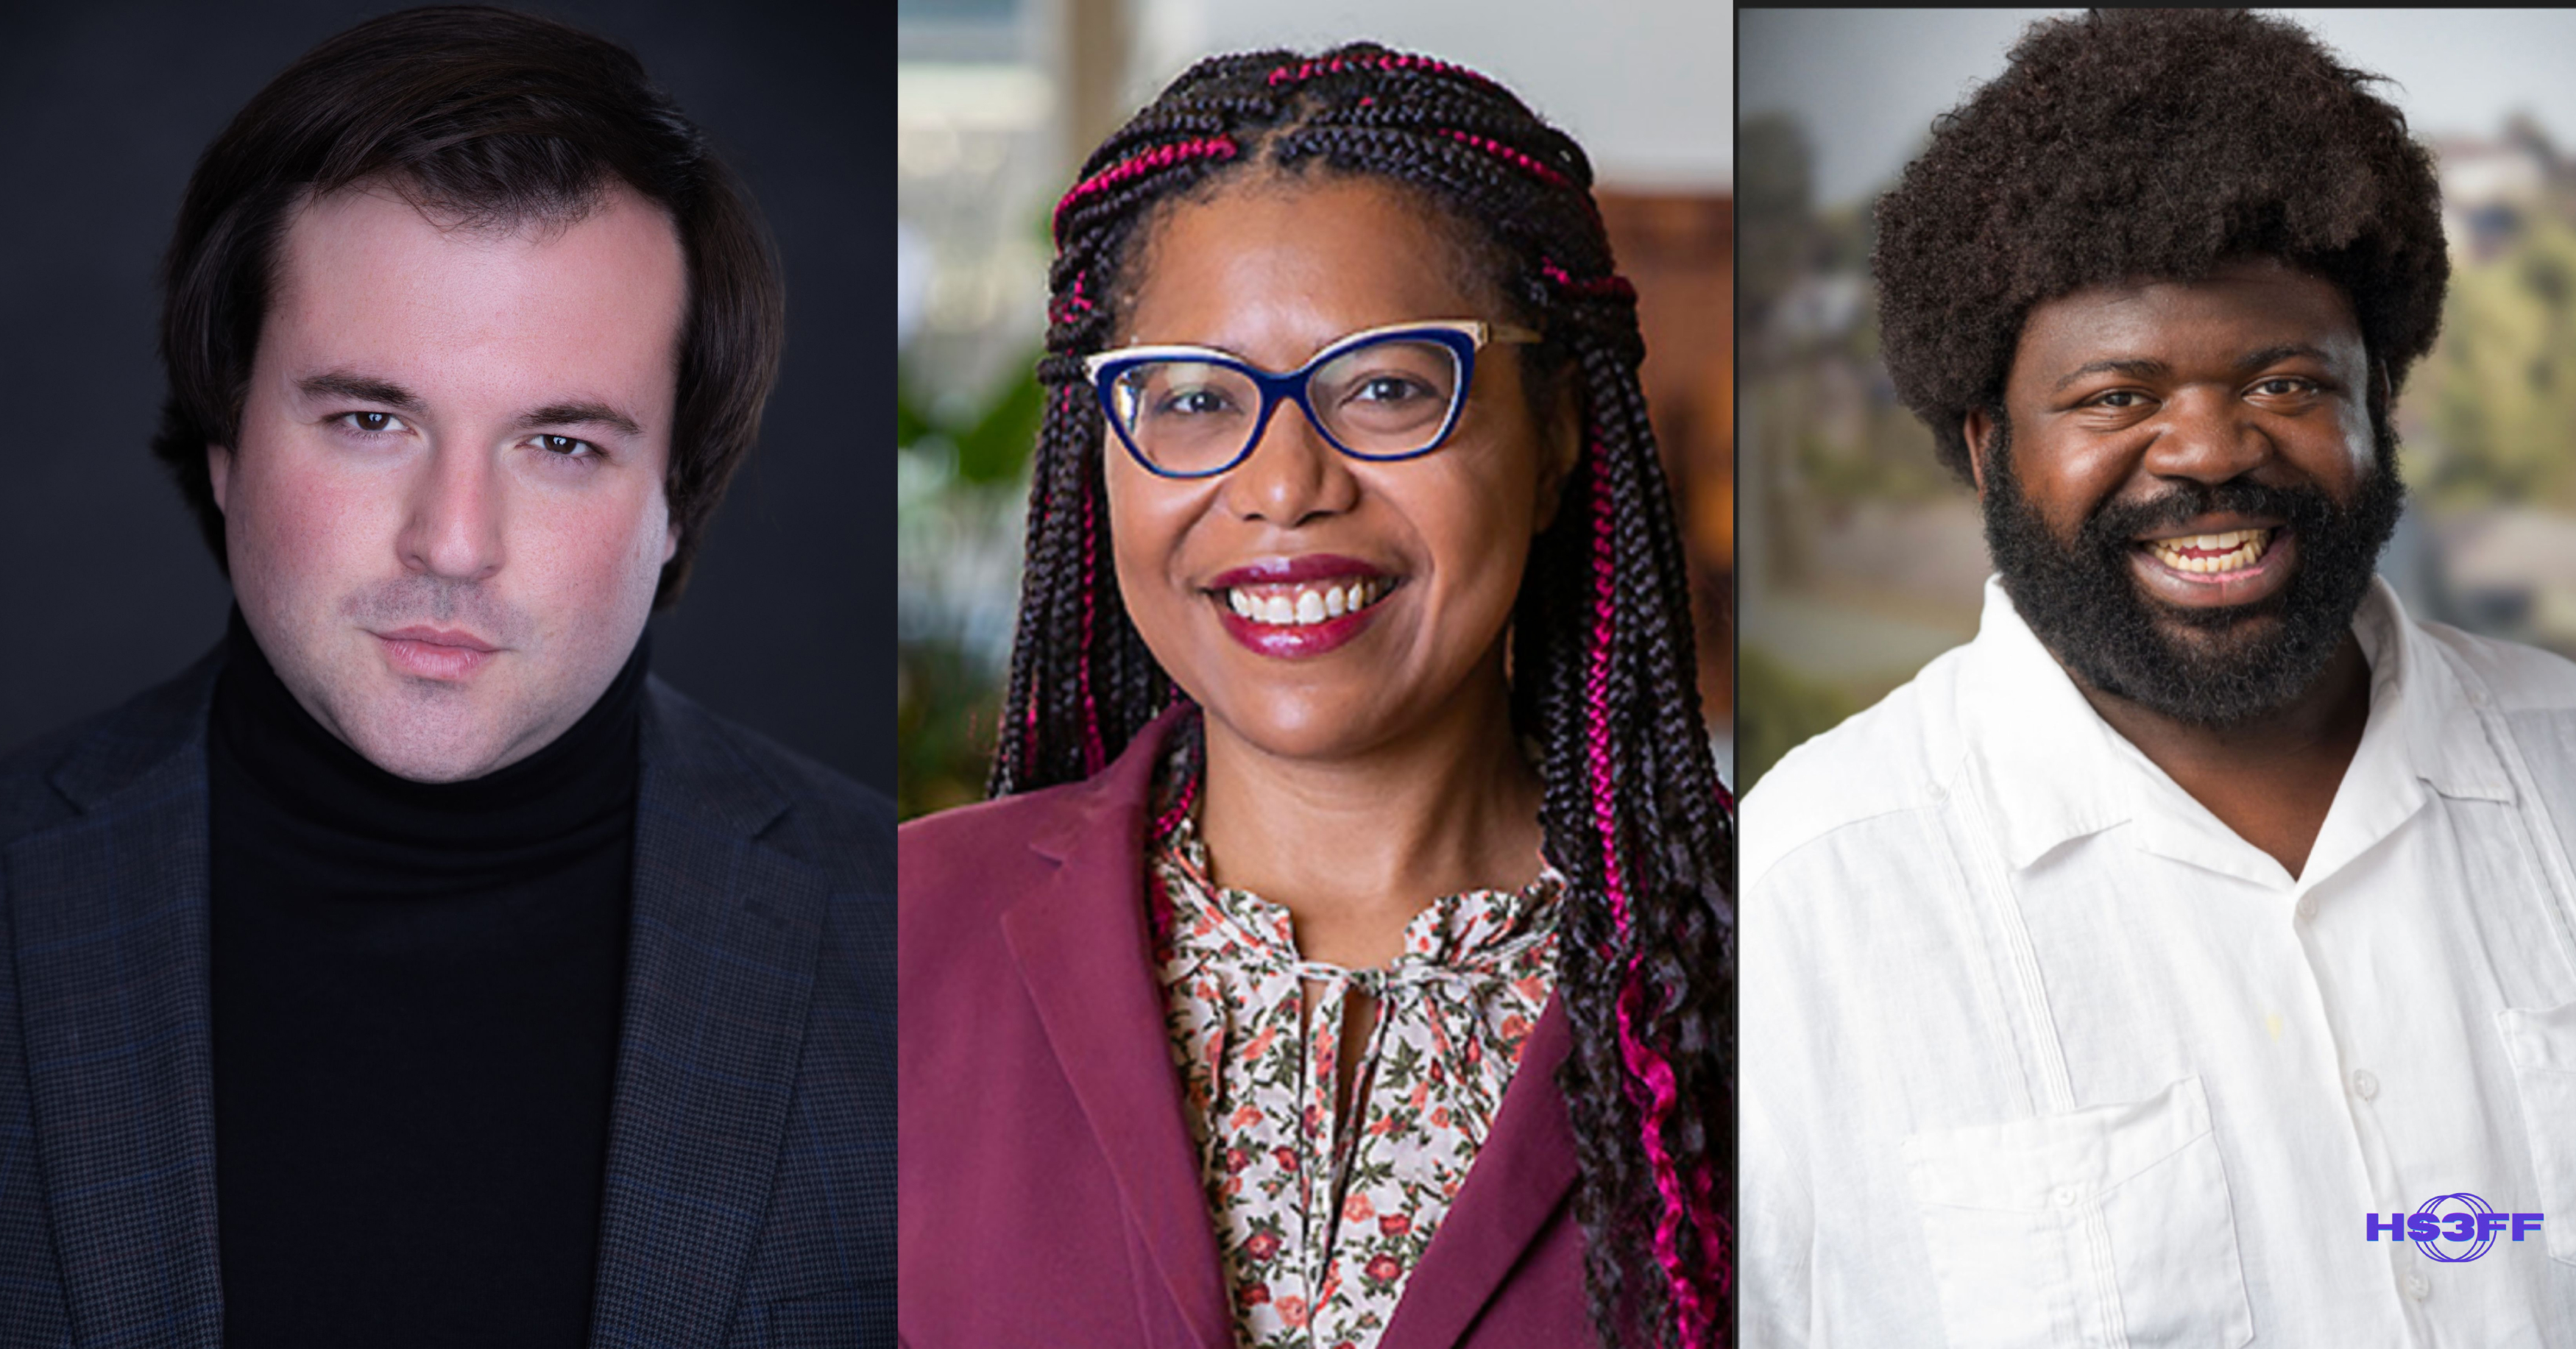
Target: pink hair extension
[
  {"x": 1648, "y": 1067},
  {"x": 1509, "y": 155},
  {"x": 1158, "y": 910},
  {"x": 1171, "y": 819},
  {"x": 1307, "y": 70},
  {"x": 1645, "y": 1066},
  {"x": 1160, "y": 899},
  {"x": 1073, "y": 304},
  {"x": 1092, "y": 756},
  {"x": 1715, "y": 1232},
  {"x": 1158, "y": 158},
  {"x": 1596, "y": 684},
  {"x": 1613, "y": 285}
]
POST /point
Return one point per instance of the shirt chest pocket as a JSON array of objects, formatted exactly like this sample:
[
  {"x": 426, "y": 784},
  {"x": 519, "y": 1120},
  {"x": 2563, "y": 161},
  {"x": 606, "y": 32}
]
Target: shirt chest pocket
[
  {"x": 2542, "y": 1045},
  {"x": 2103, "y": 1227}
]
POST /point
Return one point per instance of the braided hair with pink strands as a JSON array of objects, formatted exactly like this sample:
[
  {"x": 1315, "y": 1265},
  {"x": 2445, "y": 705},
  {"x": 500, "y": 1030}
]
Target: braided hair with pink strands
[{"x": 1603, "y": 671}]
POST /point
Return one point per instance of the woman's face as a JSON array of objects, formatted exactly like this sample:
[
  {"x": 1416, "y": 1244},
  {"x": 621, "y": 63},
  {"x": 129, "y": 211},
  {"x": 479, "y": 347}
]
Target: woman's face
[{"x": 1433, "y": 547}]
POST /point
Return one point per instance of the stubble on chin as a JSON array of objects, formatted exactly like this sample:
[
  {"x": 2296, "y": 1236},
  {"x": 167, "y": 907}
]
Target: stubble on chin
[{"x": 425, "y": 730}]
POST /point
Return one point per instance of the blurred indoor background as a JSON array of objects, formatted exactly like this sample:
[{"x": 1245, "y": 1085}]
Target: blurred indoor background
[
  {"x": 1863, "y": 558},
  {"x": 997, "y": 103}
]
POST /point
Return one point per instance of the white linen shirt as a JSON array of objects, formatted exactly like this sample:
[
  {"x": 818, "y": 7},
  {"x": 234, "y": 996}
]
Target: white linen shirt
[{"x": 2035, "y": 1051}]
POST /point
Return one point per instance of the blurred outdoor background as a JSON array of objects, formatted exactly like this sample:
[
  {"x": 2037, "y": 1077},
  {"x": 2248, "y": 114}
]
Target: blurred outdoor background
[
  {"x": 998, "y": 102},
  {"x": 1863, "y": 558}
]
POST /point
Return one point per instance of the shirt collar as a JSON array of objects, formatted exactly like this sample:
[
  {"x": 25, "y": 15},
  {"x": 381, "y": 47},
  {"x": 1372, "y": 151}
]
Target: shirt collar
[
  {"x": 2048, "y": 769},
  {"x": 1471, "y": 931},
  {"x": 2444, "y": 703},
  {"x": 2045, "y": 765}
]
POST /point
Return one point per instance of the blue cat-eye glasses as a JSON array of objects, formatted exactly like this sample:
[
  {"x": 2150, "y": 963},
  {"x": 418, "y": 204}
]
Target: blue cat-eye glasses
[{"x": 1386, "y": 393}]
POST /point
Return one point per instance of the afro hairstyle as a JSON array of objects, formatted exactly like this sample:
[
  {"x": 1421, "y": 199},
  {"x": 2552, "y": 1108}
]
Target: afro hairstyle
[{"x": 2129, "y": 145}]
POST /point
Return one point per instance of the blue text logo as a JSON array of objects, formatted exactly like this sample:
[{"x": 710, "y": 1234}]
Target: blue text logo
[{"x": 2465, "y": 1233}]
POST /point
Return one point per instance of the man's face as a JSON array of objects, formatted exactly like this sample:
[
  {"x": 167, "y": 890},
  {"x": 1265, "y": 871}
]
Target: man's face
[
  {"x": 2188, "y": 495},
  {"x": 445, "y": 516}
]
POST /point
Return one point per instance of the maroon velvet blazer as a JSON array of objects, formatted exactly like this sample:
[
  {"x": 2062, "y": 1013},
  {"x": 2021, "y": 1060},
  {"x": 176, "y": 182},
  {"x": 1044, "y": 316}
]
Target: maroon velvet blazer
[{"x": 1049, "y": 1192}]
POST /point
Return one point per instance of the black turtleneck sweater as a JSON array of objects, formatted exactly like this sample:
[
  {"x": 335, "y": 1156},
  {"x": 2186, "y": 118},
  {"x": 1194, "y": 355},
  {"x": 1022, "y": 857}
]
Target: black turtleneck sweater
[{"x": 416, "y": 995}]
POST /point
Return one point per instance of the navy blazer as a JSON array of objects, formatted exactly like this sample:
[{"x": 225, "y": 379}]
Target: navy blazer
[
  {"x": 1051, "y": 1194},
  {"x": 750, "y": 1187}
]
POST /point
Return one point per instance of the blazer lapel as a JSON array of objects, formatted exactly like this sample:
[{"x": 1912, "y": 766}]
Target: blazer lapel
[
  {"x": 108, "y": 918},
  {"x": 719, "y": 973},
  {"x": 1081, "y": 945},
  {"x": 1520, "y": 1176}
]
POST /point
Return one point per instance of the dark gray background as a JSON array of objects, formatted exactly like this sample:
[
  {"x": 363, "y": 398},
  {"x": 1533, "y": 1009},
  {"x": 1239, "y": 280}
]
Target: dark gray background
[{"x": 105, "y": 587}]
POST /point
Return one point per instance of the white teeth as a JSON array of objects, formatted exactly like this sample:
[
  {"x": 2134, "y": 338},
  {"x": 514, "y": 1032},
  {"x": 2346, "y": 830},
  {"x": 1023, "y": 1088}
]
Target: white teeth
[
  {"x": 2241, "y": 548},
  {"x": 1303, "y": 607}
]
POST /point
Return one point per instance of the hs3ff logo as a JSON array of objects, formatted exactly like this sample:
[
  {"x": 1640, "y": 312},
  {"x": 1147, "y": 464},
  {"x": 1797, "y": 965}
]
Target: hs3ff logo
[{"x": 2464, "y": 1234}]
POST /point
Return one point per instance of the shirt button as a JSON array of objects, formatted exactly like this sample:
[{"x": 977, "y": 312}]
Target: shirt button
[
  {"x": 2064, "y": 1195},
  {"x": 2364, "y": 1084},
  {"x": 2307, "y": 906},
  {"x": 2418, "y": 1287}
]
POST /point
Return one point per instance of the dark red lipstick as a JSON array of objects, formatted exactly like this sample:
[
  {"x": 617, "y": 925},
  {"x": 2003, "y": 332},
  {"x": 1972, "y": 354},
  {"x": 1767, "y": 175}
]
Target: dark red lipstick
[{"x": 1272, "y": 579}]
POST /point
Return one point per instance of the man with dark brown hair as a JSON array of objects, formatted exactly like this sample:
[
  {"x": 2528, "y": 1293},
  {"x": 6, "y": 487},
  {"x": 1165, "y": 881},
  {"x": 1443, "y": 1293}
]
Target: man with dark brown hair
[{"x": 415, "y": 969}]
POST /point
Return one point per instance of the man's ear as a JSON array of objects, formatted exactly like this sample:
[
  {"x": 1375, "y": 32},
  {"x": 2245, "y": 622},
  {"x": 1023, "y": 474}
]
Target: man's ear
[
  {"x": 1561, "y": 448},
  {"x": 671, "y": 542},
  {"x": 219, "y": 472},
  {"x": 1977, "y": 426}
]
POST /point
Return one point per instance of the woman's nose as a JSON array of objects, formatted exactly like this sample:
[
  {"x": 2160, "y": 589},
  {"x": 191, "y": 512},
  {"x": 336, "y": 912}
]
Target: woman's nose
[{"x": 1293, "y": 474}]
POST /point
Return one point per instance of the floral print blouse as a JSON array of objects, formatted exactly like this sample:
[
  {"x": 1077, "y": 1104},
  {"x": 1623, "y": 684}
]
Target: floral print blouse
[{"x": 1322, "y": 1207}]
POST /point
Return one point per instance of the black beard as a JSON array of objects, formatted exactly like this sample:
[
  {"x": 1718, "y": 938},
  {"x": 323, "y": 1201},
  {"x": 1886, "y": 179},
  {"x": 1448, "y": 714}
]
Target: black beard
[{"x": 2225, "y": 666}]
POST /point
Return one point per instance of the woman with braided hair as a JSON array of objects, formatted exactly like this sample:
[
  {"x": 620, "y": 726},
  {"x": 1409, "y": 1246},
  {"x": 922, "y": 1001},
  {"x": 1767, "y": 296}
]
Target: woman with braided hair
[{"x": 1345, "y": 957}]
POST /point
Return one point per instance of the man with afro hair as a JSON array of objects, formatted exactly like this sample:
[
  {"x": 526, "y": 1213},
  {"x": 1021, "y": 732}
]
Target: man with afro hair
[{"x": 2191, "y": 958}]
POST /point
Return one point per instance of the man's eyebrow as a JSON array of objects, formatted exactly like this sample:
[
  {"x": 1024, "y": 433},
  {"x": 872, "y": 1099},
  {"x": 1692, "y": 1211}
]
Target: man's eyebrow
[
  {"x": 2145, "y": 367},
  {"x": 2272, "y": 355},
  {"x": 2136, "y": 367},
  {"x": 579, "y": 414},
  {"x": 361, "y": 388}
]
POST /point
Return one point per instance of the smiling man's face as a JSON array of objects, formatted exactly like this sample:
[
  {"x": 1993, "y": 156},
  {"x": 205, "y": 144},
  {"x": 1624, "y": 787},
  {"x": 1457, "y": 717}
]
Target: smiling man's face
[
  {"x": 2187, "y": 497},
  {"x": 445, "y": 516}
]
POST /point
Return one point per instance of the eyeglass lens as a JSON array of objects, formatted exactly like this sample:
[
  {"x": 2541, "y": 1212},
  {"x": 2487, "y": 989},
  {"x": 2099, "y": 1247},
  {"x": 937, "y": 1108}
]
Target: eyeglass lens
[{"x": 1385, "y": 399}]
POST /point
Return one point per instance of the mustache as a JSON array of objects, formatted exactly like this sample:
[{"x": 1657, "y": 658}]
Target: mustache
[
  {"x": 419, "y": 599},
  {"x": 2119, "y": 523}
]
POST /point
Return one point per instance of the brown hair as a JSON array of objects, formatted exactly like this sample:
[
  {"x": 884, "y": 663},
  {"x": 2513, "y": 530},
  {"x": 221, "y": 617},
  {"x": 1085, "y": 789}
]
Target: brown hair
[
  {"x": 2156, "y": 144},
  {"x": 492, "y": 117}
]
